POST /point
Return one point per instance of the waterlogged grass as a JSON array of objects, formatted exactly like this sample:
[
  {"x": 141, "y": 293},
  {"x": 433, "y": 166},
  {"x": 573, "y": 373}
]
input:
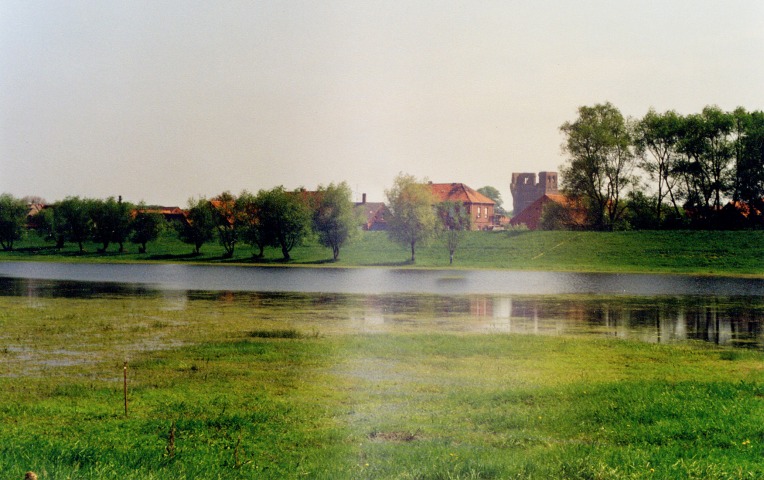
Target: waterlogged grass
[
  {"x": 263, "y": 389},
  {"x": 698, "y": 252}
]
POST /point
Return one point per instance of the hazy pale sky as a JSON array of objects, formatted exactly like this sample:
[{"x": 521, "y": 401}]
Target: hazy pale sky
[{"x": 164, "y": 100}]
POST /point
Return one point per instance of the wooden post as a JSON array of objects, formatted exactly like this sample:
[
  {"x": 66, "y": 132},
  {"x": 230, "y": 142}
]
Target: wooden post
[{"x": 125, "y": 376}]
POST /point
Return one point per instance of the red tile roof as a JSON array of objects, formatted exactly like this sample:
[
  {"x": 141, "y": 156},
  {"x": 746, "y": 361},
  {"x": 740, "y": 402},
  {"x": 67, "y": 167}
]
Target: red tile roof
[{"x": 458, "y": 192}]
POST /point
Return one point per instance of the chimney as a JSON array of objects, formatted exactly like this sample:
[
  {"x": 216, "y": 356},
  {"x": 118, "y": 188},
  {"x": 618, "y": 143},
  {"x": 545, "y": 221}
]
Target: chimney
[{"x": 363, "y": 198}]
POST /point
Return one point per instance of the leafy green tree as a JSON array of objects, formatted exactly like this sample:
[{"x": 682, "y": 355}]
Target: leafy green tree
[
  {"x": 285, "y": 217},
  {"x": 146, "y": 227},
  {"x": 657, "y": 138},
  {"x": 495, "y": 195},
  {"x": 600, "y": 162},
  {"x": 455, "y": 220},
  {"x": 334, "y": 217},
  {"x": 13, "y": 214},
  {"x": 411, "y": 219},
  {"x": 111, "y": 221},
  {"x": 707, "y": 146},
  {"x": 72, "y": 221},
  {"x": 252, "y": 229},
  {"x": 749, "y": 157},
  {"x": 226, "y": 214},
  {"x": 199, "y": 227}
]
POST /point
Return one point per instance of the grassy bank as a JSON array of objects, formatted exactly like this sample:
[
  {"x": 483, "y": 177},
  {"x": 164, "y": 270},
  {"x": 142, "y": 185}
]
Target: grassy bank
[
  {"x": 697, "y": 252},
  {"x": 248, "y": 389}
]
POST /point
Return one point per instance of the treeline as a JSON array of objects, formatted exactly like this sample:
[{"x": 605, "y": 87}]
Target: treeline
[
  {"x": 274, "y": 218},
  {"x": 665, "y": 170},
  {"x": 271, "y": 218}
]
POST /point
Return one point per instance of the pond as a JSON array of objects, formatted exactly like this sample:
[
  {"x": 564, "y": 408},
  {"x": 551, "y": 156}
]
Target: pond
[{"x": 650, "y": 308}]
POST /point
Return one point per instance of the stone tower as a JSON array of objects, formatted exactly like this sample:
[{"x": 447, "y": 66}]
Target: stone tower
[{"x": 525, "y": 190}]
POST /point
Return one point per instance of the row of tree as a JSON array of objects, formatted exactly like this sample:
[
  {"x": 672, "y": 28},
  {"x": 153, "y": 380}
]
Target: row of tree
[
  {"x": 274, "y": 218},
  {"x": 665, "y": 169}
]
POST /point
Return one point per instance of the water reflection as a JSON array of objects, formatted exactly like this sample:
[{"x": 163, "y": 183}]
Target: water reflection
[{"x": 725, "y": 320}]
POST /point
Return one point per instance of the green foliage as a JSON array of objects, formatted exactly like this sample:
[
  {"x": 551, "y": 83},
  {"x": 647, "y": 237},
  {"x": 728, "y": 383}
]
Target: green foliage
[
  {"x": 13, "y": 214},
  {"x": 657, "y": 138},
  {"x": 72, "y": 221},
  {"x": 411, "y": 218},
  {"x": 146, "y": 227},
  {"x": 600, "y": 163},
  {"x": 226, "y": 214},
  {"x": 286, "y": 218},
  {"x": 334, "y": 217},
  {"x": 110, "y": 221},
  {"x": 454, "y": 221},
  {"x": 199, "y": 226}
]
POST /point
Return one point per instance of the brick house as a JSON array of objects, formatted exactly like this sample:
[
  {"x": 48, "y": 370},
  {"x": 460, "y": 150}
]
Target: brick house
[{"x": 480, "y": 207}]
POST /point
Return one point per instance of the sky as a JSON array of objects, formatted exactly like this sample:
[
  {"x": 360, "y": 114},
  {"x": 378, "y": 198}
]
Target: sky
[{"x": 162, "y": 100}]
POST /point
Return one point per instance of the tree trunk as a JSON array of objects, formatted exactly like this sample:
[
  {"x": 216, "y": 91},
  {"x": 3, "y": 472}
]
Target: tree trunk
[
  {"x": 285, "y": 252},
  {"x": 413, "y": 258},
  {"x": 336, "y": 252}
]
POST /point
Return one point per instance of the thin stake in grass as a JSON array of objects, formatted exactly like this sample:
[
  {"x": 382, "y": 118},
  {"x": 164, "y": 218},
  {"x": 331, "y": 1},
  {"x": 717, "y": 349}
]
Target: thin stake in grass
[{"x": 125, "y": 385}]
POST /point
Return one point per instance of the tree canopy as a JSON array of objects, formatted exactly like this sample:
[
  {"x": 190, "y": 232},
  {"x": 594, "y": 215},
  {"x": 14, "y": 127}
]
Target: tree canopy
[
  {"x": 600, "y": 162},
  {"x": 334, "y": 217},
  {"x": 13, "y": 213},
  {"x": 411, "y": 218}
]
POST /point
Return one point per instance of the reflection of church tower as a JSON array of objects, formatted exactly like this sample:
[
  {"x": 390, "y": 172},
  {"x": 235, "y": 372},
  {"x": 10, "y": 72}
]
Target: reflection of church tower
[{"x": 525, "y": 190}]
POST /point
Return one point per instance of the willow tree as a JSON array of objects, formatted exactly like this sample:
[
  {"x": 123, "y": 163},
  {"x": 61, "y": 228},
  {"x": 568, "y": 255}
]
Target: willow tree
[
  {"x": 285, "y": 217},
  {"x": 411, "y": 218},
  {"x": 333, "y": 216},
  {"x": 600, "y": 162},
  {"x": 657, "y": 138},
  {"x": 13, "y": 214},
  {"x": 455, "y": 220}
]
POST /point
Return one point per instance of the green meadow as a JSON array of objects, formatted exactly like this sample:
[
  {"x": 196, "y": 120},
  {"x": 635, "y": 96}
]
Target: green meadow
[
  {"x": 695, "y": 252},
  {"x": 222, "y": 387}
]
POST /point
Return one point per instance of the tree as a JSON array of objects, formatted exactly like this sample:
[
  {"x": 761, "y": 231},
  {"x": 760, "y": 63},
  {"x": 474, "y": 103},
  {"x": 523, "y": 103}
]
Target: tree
[
  {"x": 226, "y": 214},
  {"x": 285, "y": 217},
  {"x": 146, "y": 227},
  {"x": 252, "y": 229},
  {"x": 600, "y": 163},
  {"x": 13, "y": 214},
  {"x": 72, "y": 221},
  {"x": 707, "y": 147},
  {"x": 111, "y": 221},
  {"x": 657, "y": 138},
  {"x": 494, "y": 195},
  {"x": 333, "y": 216},
  {"x": 411, "y": 219},
  {"x": 749, "y": 156},
  {"x": 199, "y": 226},
  {"x": 455, "y": 221}
]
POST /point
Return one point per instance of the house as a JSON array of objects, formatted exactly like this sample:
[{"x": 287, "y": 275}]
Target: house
[
  {"x": 32, "y": 220},
  {"x": 372, "y": 214},
  {"x": 480, "y": 207},
  {"x": 531, "y": 215},
  {"x": 170, "y": 214},
  {"x": 526, "y": 190}
]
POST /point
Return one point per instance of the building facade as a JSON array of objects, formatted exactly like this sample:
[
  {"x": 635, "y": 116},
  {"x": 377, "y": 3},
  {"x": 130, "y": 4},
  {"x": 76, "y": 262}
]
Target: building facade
[{"x": 526, "y": 190}]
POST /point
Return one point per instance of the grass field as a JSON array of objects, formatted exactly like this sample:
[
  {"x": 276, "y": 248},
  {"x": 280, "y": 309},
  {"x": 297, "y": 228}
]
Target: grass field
[
  {"x": 697, "y": 252},
  {"x": 221, "y": 389}
]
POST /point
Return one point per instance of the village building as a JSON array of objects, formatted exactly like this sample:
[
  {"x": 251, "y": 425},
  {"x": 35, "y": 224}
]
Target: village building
[
  {"x": 372, "y": 214},
  {"x": 480, "y": 207},
  {"x": 526, "y": 190}
]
